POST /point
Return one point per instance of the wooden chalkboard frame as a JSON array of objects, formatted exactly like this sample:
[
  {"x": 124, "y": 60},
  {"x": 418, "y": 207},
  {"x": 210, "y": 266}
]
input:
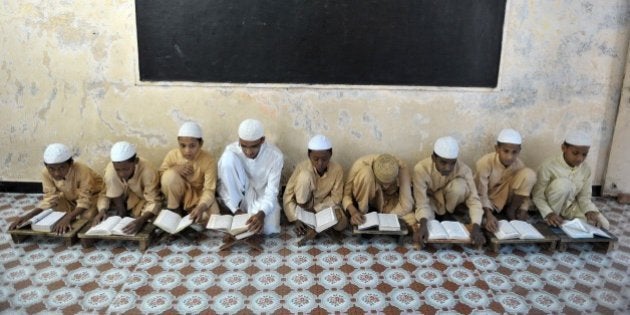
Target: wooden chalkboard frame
[{"x": 179, "y": 41}]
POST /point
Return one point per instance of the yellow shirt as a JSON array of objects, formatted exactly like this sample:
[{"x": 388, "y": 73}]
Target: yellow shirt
[
  {"x": 491, "y": 173},
  {"x": 142, "y": 186},
  {"x": 361, "y": 175},
  {"x": 328, "y": 188},
  {"x": 204, "y": 178},
  {"x": 580, "y": 176},
  {"x": 427, "y": 181},
  {"x": 81, "y": 186}
]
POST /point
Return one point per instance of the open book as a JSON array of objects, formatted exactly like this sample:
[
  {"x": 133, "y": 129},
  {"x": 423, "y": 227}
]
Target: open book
[
  {"x": 35, "y": 219},
  {"x": 447, "y": 230},
  {"x": 113, "y": 225},
  {"x": 232, "y": 224},
  {"x": 384, "y": 221},
  {"x": 517, "y": 229},
  {"x": 319, "y": 221},
  {"x": 171, "y": 222},
  {"x": 45, "y": 221},
  {"x": 578, "y": 228}
]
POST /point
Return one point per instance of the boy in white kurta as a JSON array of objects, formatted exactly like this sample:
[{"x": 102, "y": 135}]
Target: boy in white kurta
[{"x": 249, "y": 178}]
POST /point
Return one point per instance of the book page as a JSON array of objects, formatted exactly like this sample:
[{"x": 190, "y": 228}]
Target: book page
[
  {"x": 436, "y": 230},
  {"x": 183, "y": 223},
  {"x": 456, "y": 230},
  {"x": 576, "y": 229},
  {"x": 239, "y": 223},
  {"x": 388, "y": 222},
  {"x": 325, "y": 219},
  {"x": 306, "y": 217},
  {"x": 220, "y": 222},
  {"x": 105, "y": 227},
  {"x": 505, "y": 231},
  {"x": 371, "y": 219},
  {"x": 46, "y": 224},
  {"x": 168, "y": 221},
  {"x": 526, "y": 230},
  {"x": 118, "y": 229},
  {"x": 596, "y": 231}
]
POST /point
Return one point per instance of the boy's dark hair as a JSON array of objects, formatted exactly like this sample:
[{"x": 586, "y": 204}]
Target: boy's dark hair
[
  {"x": 131, "y": 159},
  {"x": 200, "y": 140},
  {"x": 69, "y": 161},
  {"x": 309, "y": 151}
]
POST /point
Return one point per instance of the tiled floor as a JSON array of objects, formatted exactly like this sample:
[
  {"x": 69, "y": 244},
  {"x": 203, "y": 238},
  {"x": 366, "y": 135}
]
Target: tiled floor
[{"x": 359, "y": 276}]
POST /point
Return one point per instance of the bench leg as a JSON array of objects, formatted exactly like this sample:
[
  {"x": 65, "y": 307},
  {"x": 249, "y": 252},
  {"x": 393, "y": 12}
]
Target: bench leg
[
  {"x": 70, "y": 241},
  {"x": 562, "y": 247},
  {"x": 17, "y": 238},
  {"x": 143, "y": 245},
  {"x": 87, "y": 243},
  {"x": 610, "y": 247},
  {"x": 494, "y": 247}
]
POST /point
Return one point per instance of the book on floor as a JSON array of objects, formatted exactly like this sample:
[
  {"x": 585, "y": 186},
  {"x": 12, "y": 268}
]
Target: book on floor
[
  {"x": 35, "y": 218},
  {"x": 447, "y": 230},
  {"x": 48, "y": 221},
  {"x": 172, "y": 222},
  {"x": 579, "y": 228},
  {"x": 235, "y": 225},
  {"x": 319, "y": 221},
  {"x": 384, "y": 221},
  {"x": 113, "y": 225},
  {"x": 517, "y": 229}
]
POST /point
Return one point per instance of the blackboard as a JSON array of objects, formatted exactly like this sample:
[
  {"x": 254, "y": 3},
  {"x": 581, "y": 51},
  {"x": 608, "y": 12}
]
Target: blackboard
[{"x": 365, "y": 42}]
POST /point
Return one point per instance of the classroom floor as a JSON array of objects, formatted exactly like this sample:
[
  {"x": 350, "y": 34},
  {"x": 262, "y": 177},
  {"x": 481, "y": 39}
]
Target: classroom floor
[{"x": 359, "y": 276}]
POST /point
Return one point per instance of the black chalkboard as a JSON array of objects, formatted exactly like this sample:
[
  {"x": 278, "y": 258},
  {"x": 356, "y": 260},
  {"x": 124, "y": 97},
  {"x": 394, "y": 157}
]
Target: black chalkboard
[{"x": 367, "y": 42}]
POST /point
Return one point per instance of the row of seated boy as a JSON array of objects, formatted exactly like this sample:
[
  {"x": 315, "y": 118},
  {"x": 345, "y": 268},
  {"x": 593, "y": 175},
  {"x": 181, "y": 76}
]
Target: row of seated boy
[{"x": 246, "y": 179}]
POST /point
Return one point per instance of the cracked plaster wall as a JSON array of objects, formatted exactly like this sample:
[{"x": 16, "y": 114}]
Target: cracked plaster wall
[{"x": 68, "y": 74}]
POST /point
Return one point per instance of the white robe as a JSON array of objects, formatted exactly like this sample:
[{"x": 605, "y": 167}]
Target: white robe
[{"x": 252, "y": 185}]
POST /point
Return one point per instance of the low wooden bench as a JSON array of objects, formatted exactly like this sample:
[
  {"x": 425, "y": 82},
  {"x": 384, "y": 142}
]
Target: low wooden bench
[
  {"x": 143, "y": 237},
  {"x": 374, "y": 231},
  {"x": 69, "y": 238},
  {"x": 253, "y": 242},
  {"x": 565, "y": 240},
  {"x": 551, "y": 239}
]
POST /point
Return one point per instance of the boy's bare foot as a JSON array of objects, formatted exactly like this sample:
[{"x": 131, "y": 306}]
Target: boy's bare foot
[{"x": 310, "y": 234}]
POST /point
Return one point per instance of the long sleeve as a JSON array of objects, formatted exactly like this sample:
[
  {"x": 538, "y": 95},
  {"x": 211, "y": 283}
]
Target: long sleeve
[
  {"x": 209, "y": 169},
  {"x": 336, "y": 194},
  {"x": 472, "y": 202},
  {"x": 544, "y": 177},
  {"x": 267, "y": 201},
  {"x": 405, "y": 201},
  {"x": 348, "y": 199},
  {"x": 151, "y": 191},
  {"x": 482, "y": 180},
  {"x": 51, "y": 193},
  {"x": 421, "y": 179},
  {"x": 584, "y": 196}
]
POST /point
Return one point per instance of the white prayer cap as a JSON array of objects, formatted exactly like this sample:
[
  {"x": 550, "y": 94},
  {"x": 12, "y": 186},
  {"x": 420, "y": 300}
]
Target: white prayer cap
[
  {"x": 122, "y": 151},
  {"x": 509, "y": 136},
  {"x": 319, "y": 142},
  {"x": 578, "y": 138},
  {"x": 251, "y": 130},
  {"x": 56, "y": 153},
  {"x": 446, "y": 147},
  {"x": 190, "y": 129}
]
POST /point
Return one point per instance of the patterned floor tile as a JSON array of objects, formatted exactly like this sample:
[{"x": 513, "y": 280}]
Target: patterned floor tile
[{"x": 360, "y": 275}]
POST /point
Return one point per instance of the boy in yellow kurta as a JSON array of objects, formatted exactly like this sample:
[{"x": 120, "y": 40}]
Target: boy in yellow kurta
[
  {"x": 189, "y": 176},
  {"x": 315, "y": 185},
  {"x": 503, "y": 182},
  {"x": 131, "y": 188},
  {"x": 379, "y": 183},
  {"x": 440, "y": 184},
  {"x": 563, "y": 188},
  {"x": 69, "y": 186}
]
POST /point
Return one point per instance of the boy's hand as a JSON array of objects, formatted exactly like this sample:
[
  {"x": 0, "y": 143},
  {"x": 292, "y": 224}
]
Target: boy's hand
[
  {"x": 554, "y": 219},
  {"x": 256, "y": 222},
  {"x": 491, "y": 221},
  {"x": 63, "y": 226},
  {"x": 197, "y": 213},
  {"x": 592, "y": 217},
  {"x": 100, "y": 217},
  {"x": 134, "y": 226},
  {"x": 300, "y": 228},
  {"x": 18, "y": 221},
  {"x": 184, "y": 170},
  {"x": 421, "y": 235},
  {"x": 477, "y": 236}
]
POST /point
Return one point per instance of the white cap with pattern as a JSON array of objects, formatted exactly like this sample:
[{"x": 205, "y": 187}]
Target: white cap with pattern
[
  {"x": 190, "y": 129},
  {"x": 509, "y": 136},
  {"x": 319, "y": 142},
  {"x": 446, "y": 147},
  {"x": 122, "y": 151},
  {"x": 56, "y": 153},
  {"x": 578, "y": 138},
  {"x": 251, "y": 130}
]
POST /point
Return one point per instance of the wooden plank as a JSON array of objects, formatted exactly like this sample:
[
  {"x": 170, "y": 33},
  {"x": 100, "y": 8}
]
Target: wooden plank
[
  {"x": 143, "y": 237},
  {"x": 565, "y": 240},
  {"x": 551, "y": 239},
  {"x": 69, "y": 237},
  {"x": 374, "y": 231}
]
